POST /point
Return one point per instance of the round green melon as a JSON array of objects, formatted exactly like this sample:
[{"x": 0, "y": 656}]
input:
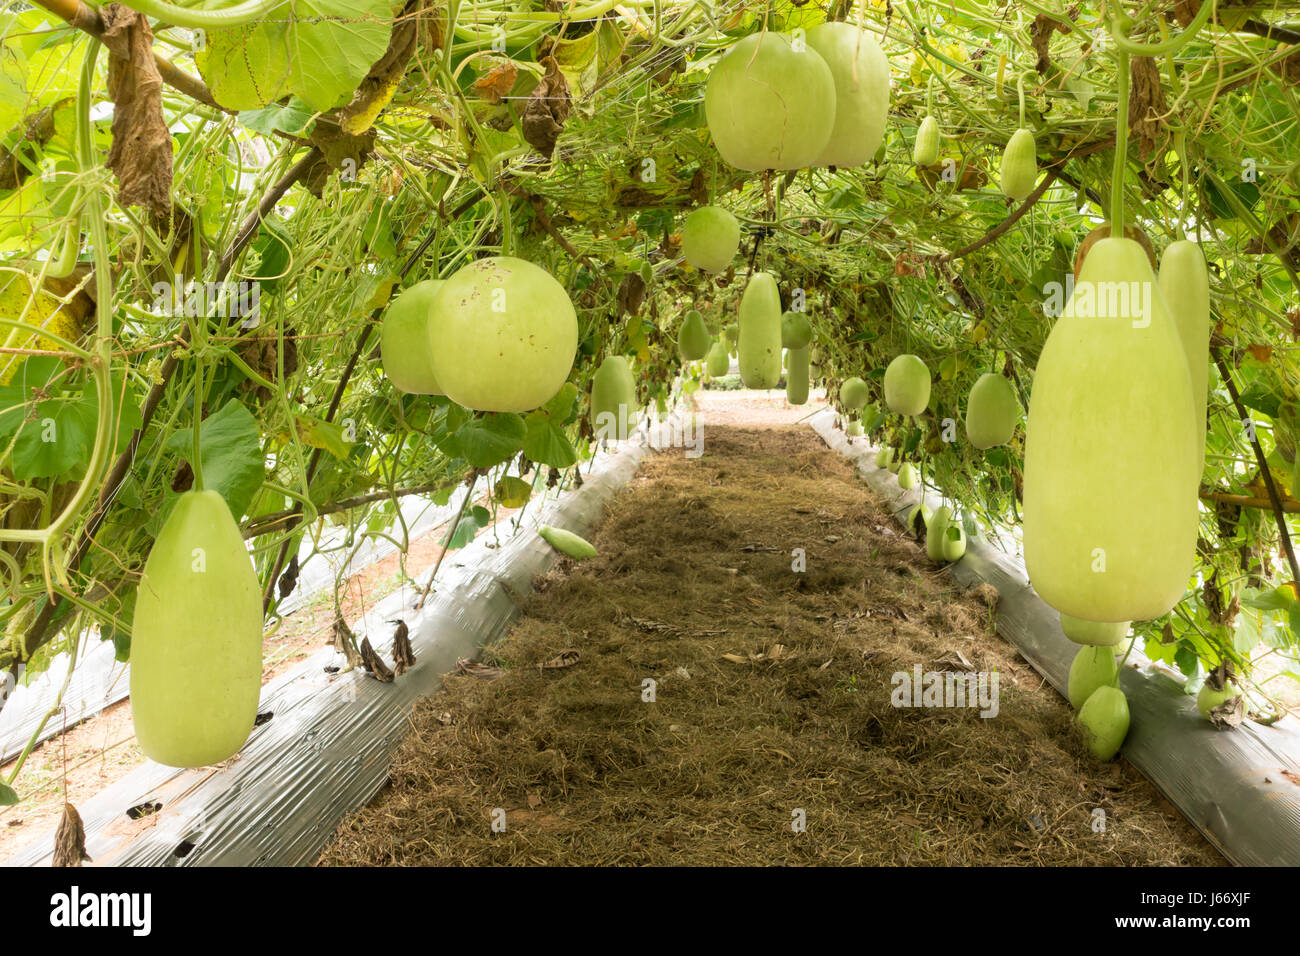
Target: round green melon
[
  {"x": 504, "y": 334},
  {"x": 907, "y": 476},
  {"x": 907, "y": 385},
  {"x": 1019, "y": 166},
  {"x": 855, "y": 429},
  {"x": 770, "y": 105},
  {"x": 196, "y": 639},
  {"x": 614, "y": 404},
  {"x": 1111, "y": 476},
  {"x": 718, "y": 362},
  {"x": 1091, "y": 668},
  {"x": 710, "y": 238},
  {"x": 404, "y": 343},
  {"x": 992, "y": 412},
  {"x": 954, "y": 541},
  {"x": 693, "y": 340},
  {"x": 1100, "y": 633},
  {"x": 760, "y": 332},
  {"x": 796, "y": 331},
  {"x": 861, "y": 75},
  {"x": 796, "y": 378},
  {"x": 853, "y": 394},
  {"x": 1104, "y": 718},
  {"x": 1209, "y": 698}
]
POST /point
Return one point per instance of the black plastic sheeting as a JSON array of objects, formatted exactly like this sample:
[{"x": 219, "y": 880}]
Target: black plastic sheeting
[
  {"x": 1229, "y": 784},
  {"x": 326, "y": 747}
]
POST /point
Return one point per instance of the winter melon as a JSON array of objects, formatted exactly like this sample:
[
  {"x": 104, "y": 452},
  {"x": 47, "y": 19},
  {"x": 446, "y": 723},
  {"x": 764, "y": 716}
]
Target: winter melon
[
  {"x": 854, "y": 430},
  {"x": 853, "y": 394},
  {"x": 992, "y": 412},
  {"x": 861, "y": 75},
  {"x": 954, "y": 542},
  {"x": 770, "y": 103},
  {"x": 796, "y": 378},
  {"x": 884, "y": 456},
  {"x": 907, "y": 476},
  {"x": 936, "y": 530},
  {"x": 760, "y": 333},
  {"x": 1019, "y": 166},
  {"x": 1186, "y": 287},
  {"x": 925, "y": 151},
  {"x": 196, "y": 641},
  {"x": 796, "y": 332},
  {"x": 1100, "y": 633},
  {"x": 907, "y": 385},
  {"x": 710, "y": 238},
  {"x": 566, "y": 542},
  {"x": 1110, "y": 486},
  {"x": 1208, "y": 698},
  {"x": 504, "y": 335},
  {"x": 1104, "y": 718},
  {"x": 405, "y": 347},
  {"x": 613, "y": 399},
  {"x": 693, "y": 340},
  {"x": 718, "y": 362},
  {"x": 1091, "y": 668}
]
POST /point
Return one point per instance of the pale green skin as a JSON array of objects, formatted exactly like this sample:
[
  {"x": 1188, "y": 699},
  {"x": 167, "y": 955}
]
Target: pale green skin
[
  {"x": 992, "y": 412},
  {"x": 405, "y": 348},
  {"x": 907, "y": 385},
  {"x": 954, "y": 545},
  {"x": 853, "y": 393},
  {"x": 936, "y": 532},
  {"x": 861, "y": 75},
  {"x": 760, "y": 333},
  {"x": 1096, "y": 633},
  {"x": 796, "y": 332},
  {"x": 1109, "y": 461},
  {"x": 1104, "y": 717},
  {"x": 502, "y": 361},
  {"x": 693, "y": 340},
  {"x": 614, "y": 403},
  {"x": 1019, "y": 166},
  {"x": 907, "y": 476},
  {"x": 710, "y": 238},
  {"x": 718, "y": 362},
  {"x": 925, "y": 151},
  {"x": 196, "y": 638},
  {"x": 854, "y": 430},
  {"x": 1185, "y": 283},
  {"x": 768, "y": 106},
  {"x": 566, "y": 542},
  {"x": 796, "y": 378},
  {"x": 884, "y": 456},
  {"x": 1091, "y": 668},
  {"x": 1208, "y": 698}
]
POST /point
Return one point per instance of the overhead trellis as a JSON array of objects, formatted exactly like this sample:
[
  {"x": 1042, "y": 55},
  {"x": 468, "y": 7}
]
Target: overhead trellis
[{"x": 326, "y": 154}]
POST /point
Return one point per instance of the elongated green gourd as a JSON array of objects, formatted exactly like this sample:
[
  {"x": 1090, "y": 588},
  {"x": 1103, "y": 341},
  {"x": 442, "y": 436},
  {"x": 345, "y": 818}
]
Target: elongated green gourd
[
  {"x": 710, "y": 238},
  {"x": 1185, "y": 283},
  {"x": 954, "y": 542},
  {"x": 907, "y": 476},
  {"x": 907, "y": 385},
  {"x": 566, "y": 542},
  {"x": 1099, "y": 633},
  {"x": 936, "y": 530},
  {"x": 760, "y": 333},
  {"x": 1105, "y": 718},
  {"x": 853, "y": 393},
  {"x": 1019, "y": 165},
  {"x": 1091, "y": 668},
  {"x": 1110, "y": 486},
  {"x": 861, "y": 75},
  {"x": 796, "y": 332},
  {"x": 405, "y": 348},
  {"x": 925, "y": 151},
  {"x": 992, "y": 412},
  {"x": 718, "y": 362},
  {"x": 770, "y": 103},
  {"x": 796, "y": 376},
  {"x": 613, "y": 399},
  {"x": 693, "y": 340},
  {"x": 196, "y": 641}
]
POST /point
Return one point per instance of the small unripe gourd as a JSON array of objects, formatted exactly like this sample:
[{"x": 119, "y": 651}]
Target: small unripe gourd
[
  {"x": 1019, "y": 166},
  {"x": 992, "y": 412},
  {"x": 796, "y": 376},
  {"x": 907, "y": 385},
  {"x": 693, "y": 340},
  {"x": 613, "y": 399},
  {"x": 710, "y": 238},
  {"x": 925, "y": 151},
  {"x": 853, "y": 394}
]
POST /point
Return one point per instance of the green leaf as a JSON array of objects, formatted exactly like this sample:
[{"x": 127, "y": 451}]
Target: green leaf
[
  {"x": 489, "y": 440},
  {"x": 324, "y": 435},
  {"x": 561, "y": 406},
  {"x": 273, "y": 244},
  {"x": 319, "y": 50},
  {"x": 57, "y": 440},
  {"x": 294, "y": 117},
  {"x": 1246, "y": 636},
  {"x": 1270, "y": 599},
  {"x": 545, "y": 442},
  {"x": 468, "y": 526},
  {"x": 231, "y": 445},
  {"x": 513, "y": 492},
  {"x": 8, "y": 796},
  {"x": 1186, "y": 660}
]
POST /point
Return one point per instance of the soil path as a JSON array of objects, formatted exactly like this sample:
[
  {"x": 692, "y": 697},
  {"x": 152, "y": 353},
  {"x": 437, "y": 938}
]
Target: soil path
[{"x": 721, "y": 695}]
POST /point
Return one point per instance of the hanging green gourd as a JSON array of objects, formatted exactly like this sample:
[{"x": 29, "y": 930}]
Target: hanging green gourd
[
  {"x": 710, "y": 238},
  {"x": 1019, "y": 171},
  {"x": 614, "y": 403},
  {"x": 936, "y": 531},
  {"x": 992, "y": 412},
  {"x": 908, "y": 477},
  {"x": 861, "y": 74},
  {"x": 760, "y": 332},
  {"x": 796, "y": 377},
  {"x": 1104, "y": 718},
  {"x": 796, "y": 331},
  {"x": 405, "y": 345},
  {"x": 907, "y": 385},
  {"x": 693, "y": 340},
  {"x": 1098, "y": 633},
  {"x": 1185, "y": 283},
  {"x": 717, "y": 362},
  {"x": 853, "y": 394},
  {"x": 925, "y": 151}
]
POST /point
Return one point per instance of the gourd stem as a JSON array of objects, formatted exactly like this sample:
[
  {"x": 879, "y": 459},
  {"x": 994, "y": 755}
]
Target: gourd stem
[
  {"x": 1020, "y": 92},
  {"x": 1131, "y": 47},
  {"x": 238, "y": 15},
  {"x": 1121, "y": 148}
]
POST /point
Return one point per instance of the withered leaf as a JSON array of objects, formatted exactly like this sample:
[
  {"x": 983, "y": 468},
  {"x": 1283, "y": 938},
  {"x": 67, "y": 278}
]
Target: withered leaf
[
  {"x": 374, "y": 664},
  {"x": 70, "y": 839},
  {"x": 495, "y": 85},
  {"x": 345, "y": 641},
  {"x": 548, "y": 108},
  {"x": 1147, "y": 107},
  {"x": 141, "y": 154},
  {"x": 403, "y": 653}
]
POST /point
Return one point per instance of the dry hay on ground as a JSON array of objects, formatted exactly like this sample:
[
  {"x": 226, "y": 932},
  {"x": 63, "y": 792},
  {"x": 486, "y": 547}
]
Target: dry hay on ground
[{"x": 695, "y": 563}]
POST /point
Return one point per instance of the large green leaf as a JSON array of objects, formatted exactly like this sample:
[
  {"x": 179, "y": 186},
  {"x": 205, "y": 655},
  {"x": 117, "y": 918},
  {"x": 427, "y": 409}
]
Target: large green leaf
[
  {"x": 319, "y": 50},
  {"x": 231, "y": 446},
  {"x": 489, "y": 440}
]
